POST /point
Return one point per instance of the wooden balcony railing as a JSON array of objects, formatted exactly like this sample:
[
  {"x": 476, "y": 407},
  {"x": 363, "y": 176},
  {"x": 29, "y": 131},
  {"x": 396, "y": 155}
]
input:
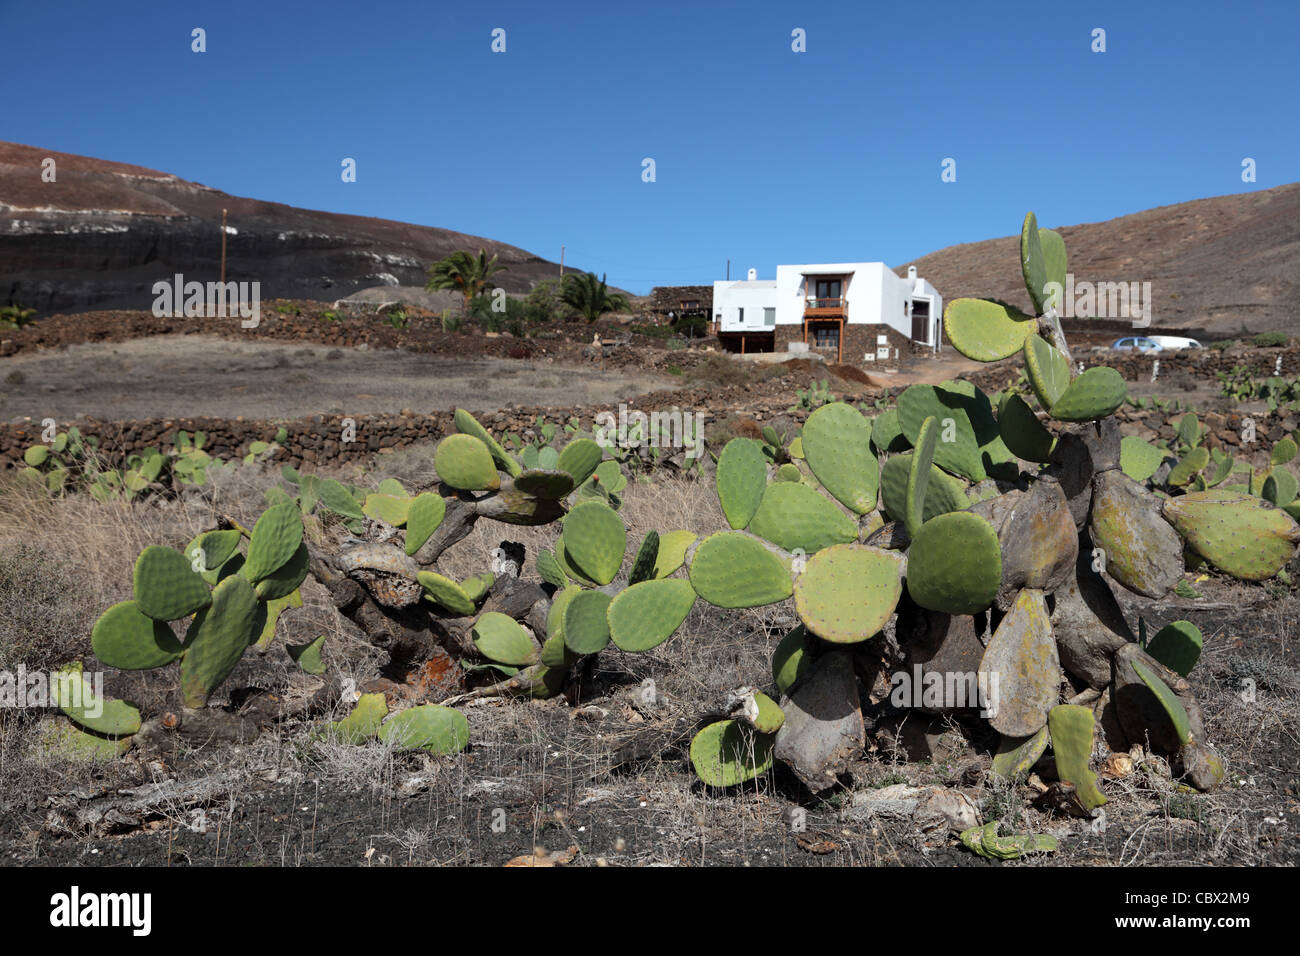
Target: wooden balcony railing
[{"x": 825, "y": 306}]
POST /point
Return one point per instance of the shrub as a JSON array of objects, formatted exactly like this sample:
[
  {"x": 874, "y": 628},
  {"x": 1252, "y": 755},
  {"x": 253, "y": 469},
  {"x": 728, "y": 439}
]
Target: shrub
[
  {"x": 1269, "y": 340},
  {"x": 1222, "y": 344}
]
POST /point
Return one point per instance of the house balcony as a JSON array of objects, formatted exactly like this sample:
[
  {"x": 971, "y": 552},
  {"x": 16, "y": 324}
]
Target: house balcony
[{"x": 825, "y": 308}]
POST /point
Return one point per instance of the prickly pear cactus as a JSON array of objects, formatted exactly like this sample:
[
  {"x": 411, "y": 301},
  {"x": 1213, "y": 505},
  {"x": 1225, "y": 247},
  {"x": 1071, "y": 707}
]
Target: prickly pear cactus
[{"x": 989, "y": 518}]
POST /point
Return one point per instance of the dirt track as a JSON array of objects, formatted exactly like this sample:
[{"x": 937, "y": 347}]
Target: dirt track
[{"x": 181, "y": 376}]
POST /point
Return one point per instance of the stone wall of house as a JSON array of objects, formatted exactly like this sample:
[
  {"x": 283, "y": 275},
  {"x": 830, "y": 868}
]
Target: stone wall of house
[
  {"x": 858, "y": 341},
  {"x": 669, "y": 298}
]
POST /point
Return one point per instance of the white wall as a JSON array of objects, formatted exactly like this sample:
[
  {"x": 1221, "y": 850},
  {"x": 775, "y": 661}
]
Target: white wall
[
  {"x": 730, "y": 297},
  {"x": 873, "y": 292}
]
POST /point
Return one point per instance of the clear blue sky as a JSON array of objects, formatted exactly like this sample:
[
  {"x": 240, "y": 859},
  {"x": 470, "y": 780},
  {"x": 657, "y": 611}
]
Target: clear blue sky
[{"x": 762, "y": 155}]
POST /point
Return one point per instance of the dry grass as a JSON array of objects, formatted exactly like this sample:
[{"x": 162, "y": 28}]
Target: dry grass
[{"x": 561, "y": 774}]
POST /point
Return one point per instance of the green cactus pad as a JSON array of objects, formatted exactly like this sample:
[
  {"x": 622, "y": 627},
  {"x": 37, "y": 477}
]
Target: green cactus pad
[
  {"x": 437, "y": 729},
  {"x": 731, "y": 569},
  {"x": 764, "y": 715},
  {"x": 446, "y": 592},
  {"x": 794, "y": 516},
  {"x": 1072, "y": 737},
  {"x": 643, "y": 565},
  {"x": 422, "y": 520},
  {"x": 210, "y": 550},
  {"x": 273, "y": 610},
  {"x": 1280, "y": 487},
  {"x": 729, "y": 752},
  {"x": 477, "y": 585},
  {"x": 954, "y": 564},
  {"x": 467, "y": 424},
  {"x": 1283, "y": 452},
  {"x": 1021, "y": 430},
  {"x": 672, "y": 551},
  {"x": 887, "y": 433},
  {"x": 1017, "y": 755},
  {"x": 548, "y": 567},
  {"x": 837, "y": 447},
  {"x": 595, "y": 540},
  {"x": 361, "y": 723},
  {"x": 308, "y": 656},
  {"x": 338, "y": 499},
  {"x": 389, "y": 509},
  {"x": 1021, "y": 667},
  {"x": 36, "y": 455},
  {"x": 961, "y": 455},
  {"x": 741, "y": 479},
  {"x": 943, "y": 492},
  {"x": 918, "y": 474},
  {"x": 1042, "y": 260},
  {"x": 788, "y": 472},
  {"x": 1094, "y": 394},
  {"x": 846, "y": 593},
  {"x": 1243, "y": 535},
  {"x": 1177, "y": 645},
  {"x": 580, "y": 459},
  {"x": 276, "y": 536},
  {"x": 1139, "y": 459},
  {"x": 559, "y": 605},
  {"x": 1168, "y": 700},
  {"x": 464, "y": 462},
  {"x": 556, "y": 654},
  {"x": 646, "y": 614},
  {"x": 73, "y": 695},
  {"x": 500, "y": 638},
  {"x": 986, "y": 331},
  {"x": 1189, "y": 467},
  {"x": 790, "y": 660},
  {"x": 63, "y": 739},
  {"x": 128, "y": 640},
  {"x": 285, "y": 579},
  {"x": 566, "y": 564},
  {"x": 218, "y": 638},
  {"x": 1048, "y": 370},
  {"x": 586, "y": 622},
  {"x": 984, "y": 841},
  {"x": 165, "y": 585},
  {"x": 545, "y": 484}
]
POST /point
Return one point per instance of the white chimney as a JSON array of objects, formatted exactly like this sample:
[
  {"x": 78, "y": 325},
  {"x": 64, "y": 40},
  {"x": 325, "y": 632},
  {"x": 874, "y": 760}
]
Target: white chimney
[
  {"x": 911, "y": 273},
  {"x": 753, "y": 274}
]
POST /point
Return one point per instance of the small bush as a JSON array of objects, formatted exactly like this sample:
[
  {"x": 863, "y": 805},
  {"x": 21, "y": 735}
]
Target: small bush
[
  {"x": 1269, "y": 340},
  {"x": 1222, "y": 344}
]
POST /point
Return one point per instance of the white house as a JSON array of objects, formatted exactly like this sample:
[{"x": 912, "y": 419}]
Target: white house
[{"x": 861, "y": 311}]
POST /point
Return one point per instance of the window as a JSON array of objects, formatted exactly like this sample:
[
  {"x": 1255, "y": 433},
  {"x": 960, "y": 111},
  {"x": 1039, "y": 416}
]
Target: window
[
  {"x": 769, "y": 317},
  {"x": 740, "y": 316},
  {"x": 828, "y": 288},
  {"x": 826, "y": 338}
]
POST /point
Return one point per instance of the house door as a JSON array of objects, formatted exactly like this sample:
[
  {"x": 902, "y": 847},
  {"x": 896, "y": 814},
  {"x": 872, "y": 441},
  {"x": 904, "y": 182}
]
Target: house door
[{"x": 921, "y": 320}]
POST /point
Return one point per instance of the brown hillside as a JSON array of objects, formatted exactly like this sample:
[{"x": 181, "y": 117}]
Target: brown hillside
[
  {"x": 1214, "y": 264},
  {"x": 104, "y": 232}
]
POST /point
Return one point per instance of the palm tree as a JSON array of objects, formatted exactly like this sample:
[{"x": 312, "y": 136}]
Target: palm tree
[
  {"x": 590, "y": 296},
  {"x": 461, "y": 272}
]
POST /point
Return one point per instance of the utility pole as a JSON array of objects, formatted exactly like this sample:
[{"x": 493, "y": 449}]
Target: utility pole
[
  {"x": 223, "y": 246},
  {"x": 561, "y": 262},
  {"x": 728, "y": 270}
]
